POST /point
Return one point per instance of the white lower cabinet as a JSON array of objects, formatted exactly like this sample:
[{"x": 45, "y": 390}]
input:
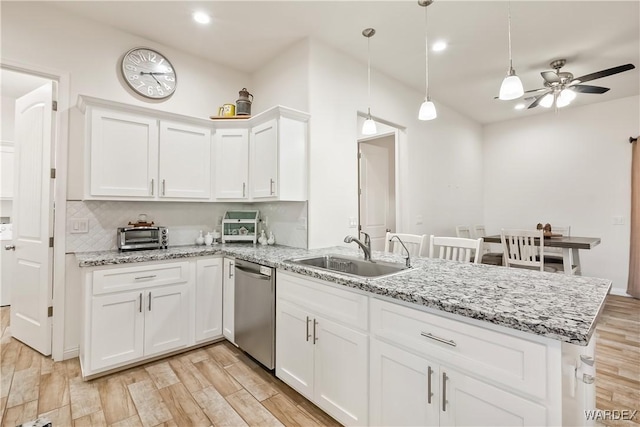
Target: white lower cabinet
[
  {"x": 318, "y": 354},
  {"x": 148, "y": 309},
  {"x": 410, "y": 390},
  {"x": 228, "y": 292}
]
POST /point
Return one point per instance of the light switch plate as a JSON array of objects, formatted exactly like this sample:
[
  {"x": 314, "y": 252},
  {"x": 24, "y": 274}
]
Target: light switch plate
[
  {"x": 618, "y": 220},
  {"x": 353, "y": 222},
  {"x": 79, "y": 225}
]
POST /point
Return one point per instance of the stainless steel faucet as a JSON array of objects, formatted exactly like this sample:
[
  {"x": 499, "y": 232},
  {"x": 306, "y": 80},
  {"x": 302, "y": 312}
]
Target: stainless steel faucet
[
  {"x": 366, "y": 246},
  {"x": 408, "y": 258}
]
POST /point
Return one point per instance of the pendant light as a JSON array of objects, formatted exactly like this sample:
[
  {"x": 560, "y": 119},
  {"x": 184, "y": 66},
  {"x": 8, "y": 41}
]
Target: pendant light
[
  {"x": 427, "y": 109},
  {"x": 511, "y": 87},
  {"x": 369, "y": 126}
]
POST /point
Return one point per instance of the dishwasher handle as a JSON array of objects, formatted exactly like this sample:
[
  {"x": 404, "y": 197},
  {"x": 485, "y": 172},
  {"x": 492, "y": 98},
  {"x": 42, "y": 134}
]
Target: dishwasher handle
[{"x": 252, "y": 274}]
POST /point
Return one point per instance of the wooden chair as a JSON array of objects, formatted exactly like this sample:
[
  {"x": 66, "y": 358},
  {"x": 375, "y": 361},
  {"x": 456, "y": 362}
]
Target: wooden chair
[
  {"x": 554, "y": 255},
  {"x": 463, "y": 231},
  {"x": 415, "y": 243},
  {"x": 520, "y": 250},
  {"x": 489, "y": 256},
  {"x": 456, "y": 249}
]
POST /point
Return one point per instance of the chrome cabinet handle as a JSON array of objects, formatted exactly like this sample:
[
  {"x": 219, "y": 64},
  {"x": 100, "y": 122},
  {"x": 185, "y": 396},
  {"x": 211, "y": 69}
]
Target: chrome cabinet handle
[
  {"x": 308, "y": 335},
  {"x": 244, "y": 188},
  {"x": 429, "y": 393},
  {"x": 452, "y": 343},
  {"x": 145, "y": 277},
  {"x": 444, "y": 392},
  {"x": 153, "y": 184},
  {"x": 271, "y": 182},
  {"x": 149, "y": 300},
  {"x": 164, "y": 187},
  {"x": 315, "y": 338},
  {"x": 230, "y": 270},
  {"x": 9, "y": 247},
  {"x": 140, "y": 308}
]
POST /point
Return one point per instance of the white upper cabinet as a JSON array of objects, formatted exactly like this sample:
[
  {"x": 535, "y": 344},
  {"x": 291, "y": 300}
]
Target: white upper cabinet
[
  {"x": 123, "y": 155},
  {"x": 136, "y": 153},
  {"x": 232, "y": 168},
  {"x": 185, "y": 161}
]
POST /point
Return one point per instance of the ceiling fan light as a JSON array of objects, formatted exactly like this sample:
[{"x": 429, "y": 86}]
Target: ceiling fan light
[
  {"x": 369, "y": 127},
  {"x": 511, "y": 87},
  {"x": 566, "y": 96},
  {"x": 547, "y": 101},
  {"x": 427, "y": 110}
]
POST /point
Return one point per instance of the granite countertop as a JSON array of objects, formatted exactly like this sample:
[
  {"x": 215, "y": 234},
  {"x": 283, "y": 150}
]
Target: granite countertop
[{"x": 557, "y": 306}]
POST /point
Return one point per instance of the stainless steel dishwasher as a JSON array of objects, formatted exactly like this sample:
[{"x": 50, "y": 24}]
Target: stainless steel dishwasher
[{"x": 254, "y": 311}]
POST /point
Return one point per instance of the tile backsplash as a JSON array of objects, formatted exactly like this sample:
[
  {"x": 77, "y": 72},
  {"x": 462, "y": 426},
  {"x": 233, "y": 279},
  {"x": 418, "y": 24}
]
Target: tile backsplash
[{"x": 287, "y": 220}]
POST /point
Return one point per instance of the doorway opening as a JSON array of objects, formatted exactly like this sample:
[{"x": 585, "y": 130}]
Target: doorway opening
[{"x": 377, "y": 185}]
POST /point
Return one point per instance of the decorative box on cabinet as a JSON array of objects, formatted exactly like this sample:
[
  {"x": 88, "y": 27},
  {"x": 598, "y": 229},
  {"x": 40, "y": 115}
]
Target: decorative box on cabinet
[{"x": 322, "y": 345}]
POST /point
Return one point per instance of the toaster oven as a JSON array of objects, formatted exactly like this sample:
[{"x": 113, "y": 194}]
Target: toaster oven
[{"x": 138, "y": 238}]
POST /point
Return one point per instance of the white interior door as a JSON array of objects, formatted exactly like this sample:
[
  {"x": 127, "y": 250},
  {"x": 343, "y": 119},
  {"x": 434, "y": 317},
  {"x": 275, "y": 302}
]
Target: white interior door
[
  {"x": 374, "y": 193},
  {"x": 33, "y": 225}
]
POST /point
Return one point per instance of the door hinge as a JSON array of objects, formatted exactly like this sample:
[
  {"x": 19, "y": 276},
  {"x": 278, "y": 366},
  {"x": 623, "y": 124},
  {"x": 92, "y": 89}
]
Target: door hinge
[
  {"x": 50, "y": 242},
  {"x": 49, "y": 311},
  {"x": 53, "y": 173},
  {"x": 359, "y": 191},
  {"x": 359, "y": 155},
  {"x": 54, "y": 105}
]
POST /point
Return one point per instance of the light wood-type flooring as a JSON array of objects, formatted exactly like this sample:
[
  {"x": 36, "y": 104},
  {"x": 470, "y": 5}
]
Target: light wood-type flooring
[
  {"x": 219, "y": 385},
  {"x": 618, "y": 358}
]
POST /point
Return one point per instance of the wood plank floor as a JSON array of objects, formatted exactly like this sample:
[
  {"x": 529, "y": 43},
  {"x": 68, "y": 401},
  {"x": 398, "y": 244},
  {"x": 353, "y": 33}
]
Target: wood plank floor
[
  {"x": 219, "y": 385},
  {"x": 618, "y": 358},
  {"x": 214, "y": 385}
]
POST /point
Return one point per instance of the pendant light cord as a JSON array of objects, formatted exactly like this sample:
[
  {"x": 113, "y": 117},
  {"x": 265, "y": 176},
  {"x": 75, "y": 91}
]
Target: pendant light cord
[
  {"x": 426, "y": 55},
  {"x": 369, "y": 76},
  {"x": 509, "y": 21}
]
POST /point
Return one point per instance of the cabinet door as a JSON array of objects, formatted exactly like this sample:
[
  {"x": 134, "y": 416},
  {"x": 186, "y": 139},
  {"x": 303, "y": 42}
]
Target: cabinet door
[
  {"x": 232, "y": 163},
  {"x": 117, "y": 329},
  {"x": 208, "y": 315},
  {"x": 404, "y": 388},
  {"x": 185, "y": 161},
  {"x": 469, "y": 401},
  {"x": 341, "y": 371},
  {"x": 228, "y": 283},
  {"x": 294, "y": 348},
  {"x": 264, "y": 160},
  {"x": 166, "y": 319},
  {"x": 124, "y": 155}
]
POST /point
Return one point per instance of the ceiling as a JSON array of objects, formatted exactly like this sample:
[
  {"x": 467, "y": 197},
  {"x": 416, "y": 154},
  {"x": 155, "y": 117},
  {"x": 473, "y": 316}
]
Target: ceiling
[{"x": 245, "y": 35}]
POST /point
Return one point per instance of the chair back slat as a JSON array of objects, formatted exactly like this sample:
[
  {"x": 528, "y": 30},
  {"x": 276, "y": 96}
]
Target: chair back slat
[
  {"x": 455, "y": 248},
  {"x": 520, "y": 248}
]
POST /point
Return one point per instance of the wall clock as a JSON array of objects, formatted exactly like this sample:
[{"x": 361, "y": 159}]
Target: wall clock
[{"x": 149, "y": 73}]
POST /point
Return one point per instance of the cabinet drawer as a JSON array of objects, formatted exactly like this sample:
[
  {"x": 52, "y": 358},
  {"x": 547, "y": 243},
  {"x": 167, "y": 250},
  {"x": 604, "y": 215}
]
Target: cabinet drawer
[
  {"x": 501, "y": 358},
  {"x": 349, "y": 308},
  {"x": 124, "y": 279}
]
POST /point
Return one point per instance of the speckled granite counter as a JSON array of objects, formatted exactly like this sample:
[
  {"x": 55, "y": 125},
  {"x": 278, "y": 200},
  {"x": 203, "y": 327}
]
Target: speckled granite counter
[{"x": 552, "y": 305}]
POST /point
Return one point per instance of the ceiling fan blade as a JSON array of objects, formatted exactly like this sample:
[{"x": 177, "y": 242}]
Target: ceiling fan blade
[
  {"x": 550, "y": 77},
  {"x": 589, "y": 89},
  {"x": 605, "y": 73},
  {"x": 536, "y": 101},
  {"x": 536, "y": 90}
]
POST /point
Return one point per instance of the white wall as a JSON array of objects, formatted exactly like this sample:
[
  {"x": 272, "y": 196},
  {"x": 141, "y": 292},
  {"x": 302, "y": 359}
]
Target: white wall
[
  {"x": 567, "y": 168},
  {"x": 441, "y": 173}
]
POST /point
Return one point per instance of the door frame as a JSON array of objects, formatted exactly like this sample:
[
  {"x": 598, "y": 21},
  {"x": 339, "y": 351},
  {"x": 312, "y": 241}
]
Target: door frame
[
  {"x": 400, "y": 139},
  {"x": 60, "y": 151}
]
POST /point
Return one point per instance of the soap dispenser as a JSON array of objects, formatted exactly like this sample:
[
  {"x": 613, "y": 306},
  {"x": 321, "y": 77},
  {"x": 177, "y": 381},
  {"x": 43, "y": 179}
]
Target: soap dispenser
[{"x": 200, "y": 239}]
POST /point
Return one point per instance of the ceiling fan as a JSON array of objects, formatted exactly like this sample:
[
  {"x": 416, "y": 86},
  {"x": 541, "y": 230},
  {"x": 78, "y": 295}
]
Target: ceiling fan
[{"x": 561, "y": 87}]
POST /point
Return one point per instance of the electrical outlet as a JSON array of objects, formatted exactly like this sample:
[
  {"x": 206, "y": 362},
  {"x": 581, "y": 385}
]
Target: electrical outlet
[
  {"x": 418, "y": 219},
  {"x": 353, "y": 222},
  {"x": 80, "y": 225},
  {"x": 266, "y": 221}
]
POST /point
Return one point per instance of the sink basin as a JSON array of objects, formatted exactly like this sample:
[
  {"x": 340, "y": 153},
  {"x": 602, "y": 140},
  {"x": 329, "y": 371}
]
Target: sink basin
[{"x": 352, "y": 266}]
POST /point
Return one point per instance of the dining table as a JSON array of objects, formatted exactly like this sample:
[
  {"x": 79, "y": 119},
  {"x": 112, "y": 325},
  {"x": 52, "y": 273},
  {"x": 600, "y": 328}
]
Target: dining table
[{"x": 570, "y": 245}]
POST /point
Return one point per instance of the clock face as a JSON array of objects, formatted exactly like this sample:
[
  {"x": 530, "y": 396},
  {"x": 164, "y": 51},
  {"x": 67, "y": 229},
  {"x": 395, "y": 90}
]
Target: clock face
[{"x": 149, "y": 73}]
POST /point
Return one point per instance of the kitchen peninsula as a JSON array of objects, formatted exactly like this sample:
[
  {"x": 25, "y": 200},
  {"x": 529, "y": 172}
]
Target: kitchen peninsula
[{"x": 495, "y": 344}]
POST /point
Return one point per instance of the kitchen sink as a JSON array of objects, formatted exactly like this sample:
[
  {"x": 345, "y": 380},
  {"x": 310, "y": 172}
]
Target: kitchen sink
[{"x": 352, "y": 266}]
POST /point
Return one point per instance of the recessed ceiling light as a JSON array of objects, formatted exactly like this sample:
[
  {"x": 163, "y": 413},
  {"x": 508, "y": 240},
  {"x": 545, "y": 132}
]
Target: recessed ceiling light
[
  {"x": 519, "y": 106},
  {"x": 439, "y": 46},
  {"x": 201, "y": 18}
]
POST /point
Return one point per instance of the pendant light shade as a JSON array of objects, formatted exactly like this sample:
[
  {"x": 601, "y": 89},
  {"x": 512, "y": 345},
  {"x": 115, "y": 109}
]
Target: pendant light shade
[
  {"x": 427, "y": 109},
  {"x": 511, "y": 87},
  {"x": 369, "y": 126}
]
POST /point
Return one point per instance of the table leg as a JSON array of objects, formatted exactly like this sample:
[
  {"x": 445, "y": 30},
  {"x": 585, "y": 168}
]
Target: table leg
[
  {"x": 576, "y": 261},
  {"x": 567, "y": 260}
]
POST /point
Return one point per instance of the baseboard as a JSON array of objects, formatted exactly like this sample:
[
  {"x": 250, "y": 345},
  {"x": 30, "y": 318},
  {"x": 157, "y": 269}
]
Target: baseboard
[
  {"x": 71, "y": 353},
  {"x": 619, "y": 292}
]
